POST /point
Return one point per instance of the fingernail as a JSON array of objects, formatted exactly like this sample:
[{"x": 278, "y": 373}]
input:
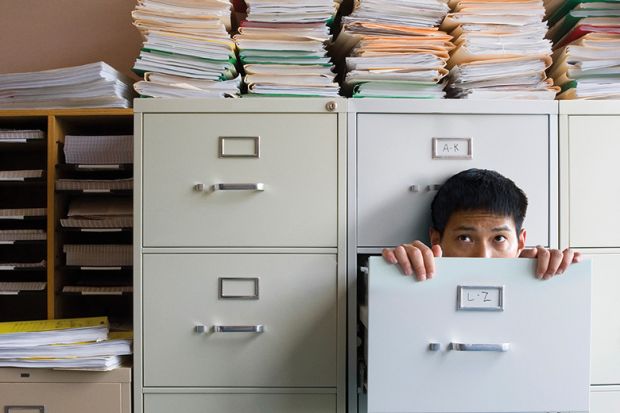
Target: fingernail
[
  {"x": 408, "y": 272},
  {"x": 430, "y": 275}
]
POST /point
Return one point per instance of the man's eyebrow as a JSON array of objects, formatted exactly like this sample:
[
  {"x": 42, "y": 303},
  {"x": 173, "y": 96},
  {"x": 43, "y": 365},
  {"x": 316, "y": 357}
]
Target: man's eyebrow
[
  {"x": 465, "y": 228},
  {"x": 502, "y": 228}
]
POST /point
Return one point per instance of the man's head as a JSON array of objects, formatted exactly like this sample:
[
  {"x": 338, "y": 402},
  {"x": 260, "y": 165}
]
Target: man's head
[{"x": 479, "y": 213}]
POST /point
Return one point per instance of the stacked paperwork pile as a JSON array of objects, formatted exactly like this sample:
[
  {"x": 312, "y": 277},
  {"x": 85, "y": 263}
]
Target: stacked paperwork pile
[
  {"x": 94, "y": 85},
  {"x": 79, "y": 343},
  {"x": 20, "y": 135},
  {"x": 282, "y": 46},
  {"x": 22, "y": 213},
  {"x": 21, "y": 174},
  {"x": 99, "y": 150},
  {"x": 94, "y": 185},
  {"x": 500, "y": 50},
  {"x": 96, "y": 213},
  {"x": 394, "y": 49},
  {"x": 12, "y": 266},
  {"x": 12, "y": 235},
  {"x": 187, "y": 49},
  {"x": 586, "y": 59},
  {"x": 104, "y": 255}
]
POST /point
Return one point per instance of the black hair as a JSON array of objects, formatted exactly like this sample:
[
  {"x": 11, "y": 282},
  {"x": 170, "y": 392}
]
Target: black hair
[{"x": 478, "y": 190}]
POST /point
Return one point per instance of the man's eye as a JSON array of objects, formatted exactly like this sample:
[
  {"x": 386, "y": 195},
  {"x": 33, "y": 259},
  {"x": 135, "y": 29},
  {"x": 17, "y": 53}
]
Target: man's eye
[
  {"x": 500, "y": 238},
  {"x": 464, "y": 238}
]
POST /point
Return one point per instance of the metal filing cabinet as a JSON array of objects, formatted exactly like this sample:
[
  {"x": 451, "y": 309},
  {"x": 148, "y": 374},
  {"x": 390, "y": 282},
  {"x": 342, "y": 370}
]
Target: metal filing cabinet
[
  {"x": 401, "y": 151},
  {"x": 589, "y": 198},
  {"x": 55, "y": 391},
  {"x": 240, "y": 275}
]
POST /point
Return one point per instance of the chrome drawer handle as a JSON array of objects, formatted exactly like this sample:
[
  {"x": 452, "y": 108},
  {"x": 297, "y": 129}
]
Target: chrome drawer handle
[
  {"x": 259, "y": 328},
  {"x": 239, "y": 187},
  {"x": 200, "y": 187},
  {"x": 16, "y": 409},
  {"x": 500, "y": 347}
]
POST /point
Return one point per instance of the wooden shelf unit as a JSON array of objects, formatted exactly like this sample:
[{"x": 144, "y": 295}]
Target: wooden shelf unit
[{"x": 56, "y": 124}]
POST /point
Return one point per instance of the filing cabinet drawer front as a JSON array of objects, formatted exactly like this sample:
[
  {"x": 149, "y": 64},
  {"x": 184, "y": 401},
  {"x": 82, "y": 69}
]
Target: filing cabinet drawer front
[
  {"x": 594, "y": 192},
  {"x": 296, "y": 306},
  {"x": 605, "y": 319},
  {"x": 395, "y": 152},
  {"x": 296, "y": 165},
  {"x": 62, "y": 397},
  {"x": 239, "y": 403},
  {"x": 605, "y": 399}
]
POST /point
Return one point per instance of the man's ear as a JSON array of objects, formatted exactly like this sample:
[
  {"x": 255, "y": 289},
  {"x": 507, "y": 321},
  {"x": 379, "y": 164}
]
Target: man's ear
[
  {"x": 434, "y": 236},
  {"x": 521, "y": 240}
]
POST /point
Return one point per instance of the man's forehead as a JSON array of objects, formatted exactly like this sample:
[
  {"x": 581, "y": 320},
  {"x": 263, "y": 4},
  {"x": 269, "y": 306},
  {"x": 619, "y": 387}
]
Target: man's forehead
[{"x": 480, "y": 220}]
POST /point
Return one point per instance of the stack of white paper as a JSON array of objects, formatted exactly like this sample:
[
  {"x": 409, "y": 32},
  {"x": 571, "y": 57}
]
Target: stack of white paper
[
  {"x": 10, "y": 235},
  {"x": 99, "y": 150},
  {"x": 91, "y": 85},
  {"x": 394, "y": 49},
  {"x": 20, "y": 135},
  {"x": 81, "y": 343},
  {"x": 282, "y": 48},
  {"x": 99, "y": 213},
  {"x": 94, "y": 185},
  {"x": 21, "y": 213},
  {"x": 47, "y": 332},
  {"x": 15, "y": 287},
  {"x": 500, "y": 50},
  {"x": 21, "y": 174},
  {"x": 105, "y": 255},
  {"x": 11, "y": 266},
  {"x": 187, "y": 49}
]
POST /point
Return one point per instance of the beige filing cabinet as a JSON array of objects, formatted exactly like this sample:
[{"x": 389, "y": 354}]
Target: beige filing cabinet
[
  {"x": 589, "y": 199},
  {"x": 58, "y": 391},
  {"x": 403, "y": 150},
  {"x": 240, "y": 281}
]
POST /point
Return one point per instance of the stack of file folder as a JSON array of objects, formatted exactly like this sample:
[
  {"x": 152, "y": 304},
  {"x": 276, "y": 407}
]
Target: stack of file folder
[
  {"x": 586, "y": 59},
  {"x": 20, "y": 175},
  {"x": 394, "y": 49},
  {"x": 501, "y": 52},
  {"x": 20, "y": 135},
  {"x": 105, "y": 255},
  {"x": 99, "y": 150},
  {"x": 282, "y": 46},
  {"x": 99, "y": 213},
  {"x": 79, "y": 343},
  {"x": 94, "y": 85},
  {"x": 12, "y": 235},
  {"x": 187, "y": 49}
]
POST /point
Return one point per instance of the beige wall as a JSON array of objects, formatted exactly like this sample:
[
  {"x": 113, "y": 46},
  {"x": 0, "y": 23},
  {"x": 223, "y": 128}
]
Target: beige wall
[{"x": 47, "y": 34}]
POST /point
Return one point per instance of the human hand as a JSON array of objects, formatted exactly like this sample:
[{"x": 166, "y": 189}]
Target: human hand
[
  {"x": 414, "y": 258},
  {"x": 551, "y": 262}
]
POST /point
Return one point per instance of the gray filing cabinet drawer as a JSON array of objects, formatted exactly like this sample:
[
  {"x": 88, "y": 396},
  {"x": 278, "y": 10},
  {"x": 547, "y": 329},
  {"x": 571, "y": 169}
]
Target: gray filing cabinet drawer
[
  {"x": 499, "y": 333},
  {"x": 240, "y": 403},
  {"x": 594, "y": 192},
  {"x": 605, "y": 319},
  {"x": 605, "y": 399},
  {"x": 293, "y": 156},
  {"x": 399, "y": 170},
  {"x": 296, "y": 305},
  {"x": 57, "y": 391}
]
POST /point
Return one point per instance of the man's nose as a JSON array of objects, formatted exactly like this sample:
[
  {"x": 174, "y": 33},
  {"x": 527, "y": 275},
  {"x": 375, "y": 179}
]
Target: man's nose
[{"x": 483, "y": 250}]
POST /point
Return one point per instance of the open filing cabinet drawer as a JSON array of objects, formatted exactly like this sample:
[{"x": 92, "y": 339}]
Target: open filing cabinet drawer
[{"x": 484, "y": 335}]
